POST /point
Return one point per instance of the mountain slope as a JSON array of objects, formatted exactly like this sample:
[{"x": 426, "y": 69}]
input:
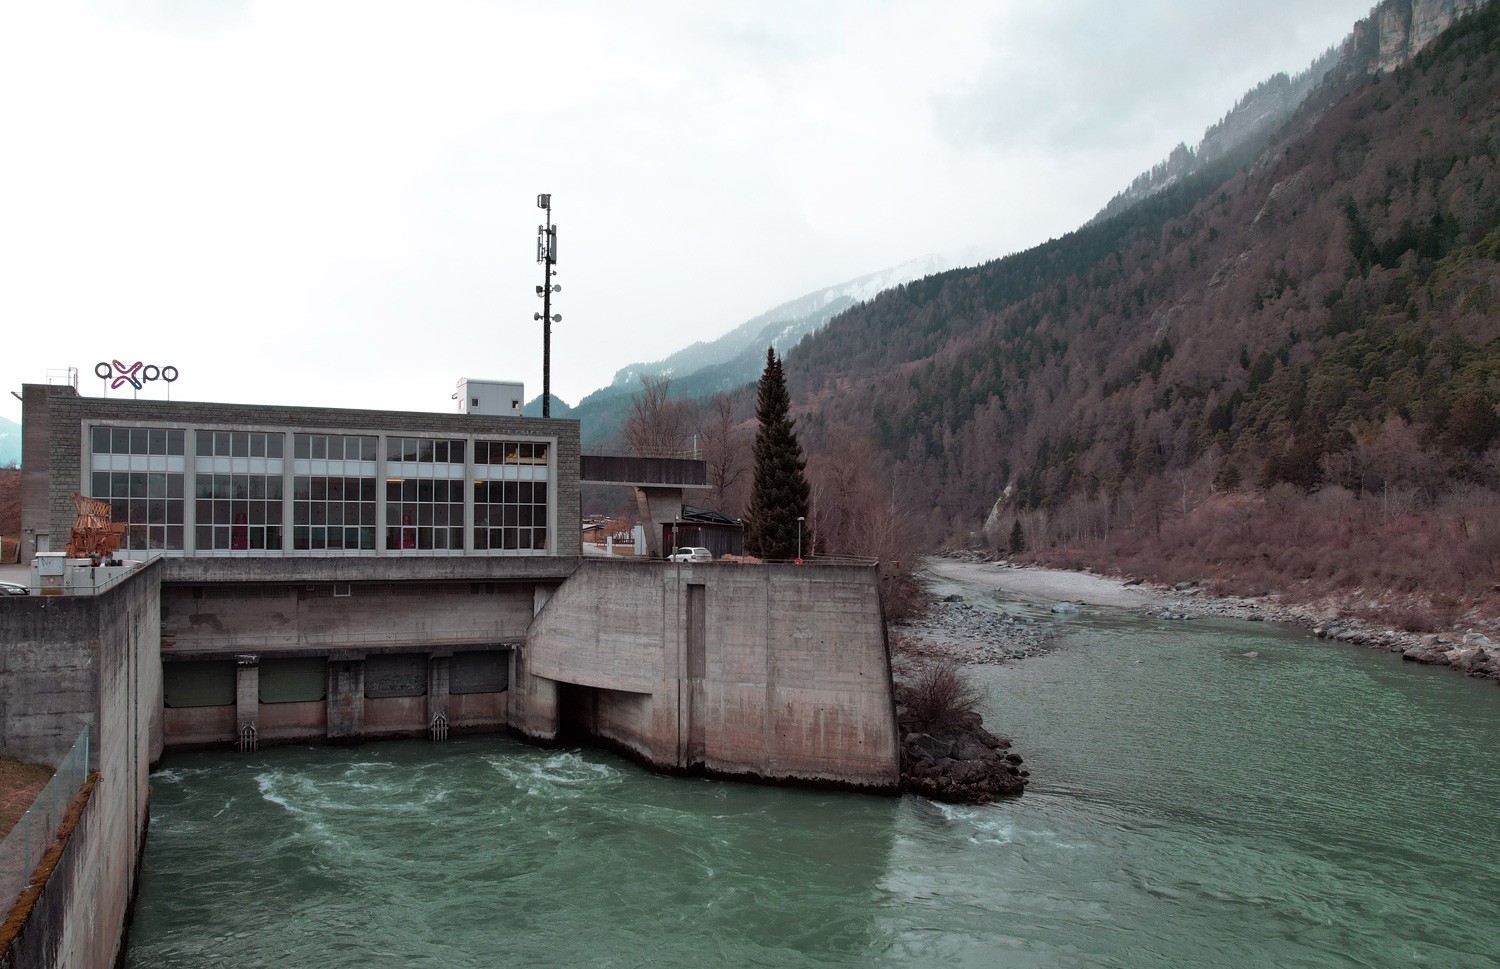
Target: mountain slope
[{"x": 1273, "y": 318}]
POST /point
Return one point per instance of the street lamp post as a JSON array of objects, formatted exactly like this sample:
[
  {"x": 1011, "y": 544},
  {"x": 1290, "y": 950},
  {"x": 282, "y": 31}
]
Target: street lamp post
[{"x": 800, "y": 520}]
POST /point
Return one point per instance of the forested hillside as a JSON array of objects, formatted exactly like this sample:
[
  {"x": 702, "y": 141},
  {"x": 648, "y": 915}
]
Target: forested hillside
[{"x": 1319, "y": 315}]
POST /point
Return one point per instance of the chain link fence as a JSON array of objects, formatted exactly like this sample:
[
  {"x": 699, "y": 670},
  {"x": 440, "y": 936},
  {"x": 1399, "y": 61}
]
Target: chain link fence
[{"x": 23, "y": 848}]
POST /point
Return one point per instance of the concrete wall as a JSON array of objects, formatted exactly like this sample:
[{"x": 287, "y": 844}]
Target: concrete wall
[
  {"x": 777, "y": 672},
  {"x": 71, "y": 660},
  {"x": 36, "y": 468},
  {"x": 267, "y": 619}
]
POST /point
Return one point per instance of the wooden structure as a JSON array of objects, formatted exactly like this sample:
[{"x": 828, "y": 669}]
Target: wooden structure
[{"x": 94, "y": 535}]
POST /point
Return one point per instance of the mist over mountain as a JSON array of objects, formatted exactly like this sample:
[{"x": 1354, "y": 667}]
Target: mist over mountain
[
  {"x": 735, "y": 359},
  {"x": 1390, "y": 37}
]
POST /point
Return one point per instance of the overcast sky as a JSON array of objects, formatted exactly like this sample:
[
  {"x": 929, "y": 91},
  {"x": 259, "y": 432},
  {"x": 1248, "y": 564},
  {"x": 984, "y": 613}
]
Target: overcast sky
[{"x": 331, "y": 203}]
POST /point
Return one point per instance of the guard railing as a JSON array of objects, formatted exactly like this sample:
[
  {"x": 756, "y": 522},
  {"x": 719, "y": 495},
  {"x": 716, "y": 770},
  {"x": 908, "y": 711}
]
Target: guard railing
[{"x": 23, "y": 848}]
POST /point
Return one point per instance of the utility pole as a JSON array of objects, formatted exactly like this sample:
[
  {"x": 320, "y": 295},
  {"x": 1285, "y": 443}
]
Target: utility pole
[{"x": 546, "y": 254}]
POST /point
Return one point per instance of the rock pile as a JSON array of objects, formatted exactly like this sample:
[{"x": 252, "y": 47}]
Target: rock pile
[
  {"x": 954, "y": 629},
  {"x": 968, "y": 765}
]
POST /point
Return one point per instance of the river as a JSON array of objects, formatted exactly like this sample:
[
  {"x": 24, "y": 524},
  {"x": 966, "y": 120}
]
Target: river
[{"x": 1313, "y": 806}]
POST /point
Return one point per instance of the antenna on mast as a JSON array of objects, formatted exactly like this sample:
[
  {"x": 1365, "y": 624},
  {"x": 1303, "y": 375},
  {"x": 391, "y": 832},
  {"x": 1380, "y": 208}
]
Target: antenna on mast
[{"x": 546, "y": 254}]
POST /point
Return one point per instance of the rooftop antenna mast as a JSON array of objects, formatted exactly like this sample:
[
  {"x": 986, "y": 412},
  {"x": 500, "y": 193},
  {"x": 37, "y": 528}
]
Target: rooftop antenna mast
[{"x": 546, "y": 254}]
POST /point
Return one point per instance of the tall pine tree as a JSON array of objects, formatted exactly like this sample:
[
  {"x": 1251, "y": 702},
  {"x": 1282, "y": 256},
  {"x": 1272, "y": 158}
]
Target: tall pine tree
[{"x": 779, "y": 495}]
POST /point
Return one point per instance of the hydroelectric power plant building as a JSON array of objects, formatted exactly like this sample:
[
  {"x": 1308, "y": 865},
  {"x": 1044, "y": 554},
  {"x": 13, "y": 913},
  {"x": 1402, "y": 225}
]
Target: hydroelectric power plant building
[{"x": 328, "y": 575}]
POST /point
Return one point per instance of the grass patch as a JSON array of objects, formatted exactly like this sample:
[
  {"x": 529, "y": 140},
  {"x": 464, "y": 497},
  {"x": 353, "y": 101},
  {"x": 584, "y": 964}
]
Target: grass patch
[{"x": 20, "y": 783}]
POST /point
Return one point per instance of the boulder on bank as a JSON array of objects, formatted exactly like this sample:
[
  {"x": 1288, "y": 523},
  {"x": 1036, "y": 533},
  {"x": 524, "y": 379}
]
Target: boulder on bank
[{"x": 965, "y": 765}]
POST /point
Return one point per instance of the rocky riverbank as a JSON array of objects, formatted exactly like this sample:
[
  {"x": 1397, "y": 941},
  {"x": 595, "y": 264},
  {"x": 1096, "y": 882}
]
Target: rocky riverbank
[
  {"x": 952, "y": 628},
  {"x": 1473, "y": 650},
  {"x": 1468, "y": 651}
]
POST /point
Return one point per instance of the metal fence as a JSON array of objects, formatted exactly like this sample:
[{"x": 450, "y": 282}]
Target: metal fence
[{"x": 23, "y": 848}]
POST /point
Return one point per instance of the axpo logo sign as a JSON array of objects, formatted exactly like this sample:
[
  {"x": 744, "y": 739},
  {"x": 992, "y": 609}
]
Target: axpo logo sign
[{"x": 135, "y": 375}]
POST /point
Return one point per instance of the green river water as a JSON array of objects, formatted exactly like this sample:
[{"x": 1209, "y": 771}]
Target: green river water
[{"x": 1317, "y": 806}]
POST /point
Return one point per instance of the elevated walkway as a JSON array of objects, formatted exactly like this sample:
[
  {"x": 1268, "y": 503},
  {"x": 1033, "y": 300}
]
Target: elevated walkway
[{"x": 659, "y": 482}]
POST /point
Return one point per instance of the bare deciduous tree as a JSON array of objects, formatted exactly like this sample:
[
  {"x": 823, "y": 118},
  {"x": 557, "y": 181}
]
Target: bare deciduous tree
[
  {"x": 726, "y": 451},
  {"x": 656, "y": 425}
]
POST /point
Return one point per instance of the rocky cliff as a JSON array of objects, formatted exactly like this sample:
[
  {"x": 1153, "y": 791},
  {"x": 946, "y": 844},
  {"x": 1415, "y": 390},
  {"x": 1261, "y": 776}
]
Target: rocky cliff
[{"x": 1392, "y": 35}]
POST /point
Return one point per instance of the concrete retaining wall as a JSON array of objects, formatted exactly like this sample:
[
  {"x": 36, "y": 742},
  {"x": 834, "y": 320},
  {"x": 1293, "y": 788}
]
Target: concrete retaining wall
[
  {"x": 67, "y": 661},
  {"x": 267, "y": 619},
  {"x": 778, "y": 672}
]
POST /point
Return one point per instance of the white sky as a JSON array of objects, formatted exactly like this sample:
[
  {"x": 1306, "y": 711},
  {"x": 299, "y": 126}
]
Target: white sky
[{"x": 334, "y": 203}]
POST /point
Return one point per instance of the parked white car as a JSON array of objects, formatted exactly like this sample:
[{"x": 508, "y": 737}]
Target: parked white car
[
  {"x": 691, "y": 554},
  {"x": 11, "y": 589}
]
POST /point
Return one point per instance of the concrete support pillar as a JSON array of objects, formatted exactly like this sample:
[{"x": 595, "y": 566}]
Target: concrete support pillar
[
  {"x": 247, "y": 692},
  {"x": 437, "y": 688},
  {"x": 346, "y": 700},
  {"x": 533, "y": 704},
  {"x": 658, "y": 507},
  {"x": 540, "y": 596}
]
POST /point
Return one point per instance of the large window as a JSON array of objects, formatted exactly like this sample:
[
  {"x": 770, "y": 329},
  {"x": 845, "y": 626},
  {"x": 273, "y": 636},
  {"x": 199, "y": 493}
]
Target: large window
[
  {"x": 333, "y": 492},
  {"x": 137, "y": 440},
  {"x": 150, "y": 504},
  {"x": 418, "y": 450},
  {"x": 240, "y": 444},
  {"x": 510, "y": 515},
  {"x": 510, "y": 495},
  {"x": 238, "y": 511},
  {"x": 139, "y": 471},
  {"x": 510, "y": 452},
  {"x": 424, "y": 495},
  {"x": 334, "y": 447},
  {"x": 424, "y": 515},
  {"x": 331, "y": 513}
]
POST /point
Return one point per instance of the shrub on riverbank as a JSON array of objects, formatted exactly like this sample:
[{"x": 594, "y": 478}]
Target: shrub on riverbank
[
  {"x": 939, "y": 698},
  {"x": 946, "y": 754}
]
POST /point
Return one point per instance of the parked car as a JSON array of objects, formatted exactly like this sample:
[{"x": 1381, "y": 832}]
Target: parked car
[
  {"x": 11, "y": 589},
  {"x": 691, "y": 554}
]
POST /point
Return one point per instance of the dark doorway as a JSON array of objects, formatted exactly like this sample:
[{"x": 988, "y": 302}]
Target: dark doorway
[{"x": 577, "y": 714}]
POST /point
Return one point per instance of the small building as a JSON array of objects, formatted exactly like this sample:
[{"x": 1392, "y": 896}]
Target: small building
[{"x": 721, "y": 534}]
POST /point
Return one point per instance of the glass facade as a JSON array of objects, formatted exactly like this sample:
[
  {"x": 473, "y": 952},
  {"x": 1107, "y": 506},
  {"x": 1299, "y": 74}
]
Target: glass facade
[
  {"x": 137, "y": 440},
  {"x": 510, "y": 515},
  {"x": 139, "y": 471},
  {"x": 240, "y": 444},
  {"x": 510, "y": 452},
  {"x": 255, "y": 491},
  {"x": 238, "y": 512},
  {"x": 333, "y": 513},
  {"x": 333, "y": 492},
  {"x": 424, "y": 494},
  {"x": 150, "y": 503}
]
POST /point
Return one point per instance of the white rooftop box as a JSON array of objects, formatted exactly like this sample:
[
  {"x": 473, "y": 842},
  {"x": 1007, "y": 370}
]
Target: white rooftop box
[{"x": 492, "y": 398}]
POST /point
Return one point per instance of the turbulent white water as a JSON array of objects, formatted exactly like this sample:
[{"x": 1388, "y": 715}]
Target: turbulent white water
[{"x": 1190, "y": 806}]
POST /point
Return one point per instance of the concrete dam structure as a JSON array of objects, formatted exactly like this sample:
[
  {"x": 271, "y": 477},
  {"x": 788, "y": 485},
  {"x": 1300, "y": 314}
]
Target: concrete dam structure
[
  {"x": 774, "y": 672},
  {"x": 315, "y": 575}
]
